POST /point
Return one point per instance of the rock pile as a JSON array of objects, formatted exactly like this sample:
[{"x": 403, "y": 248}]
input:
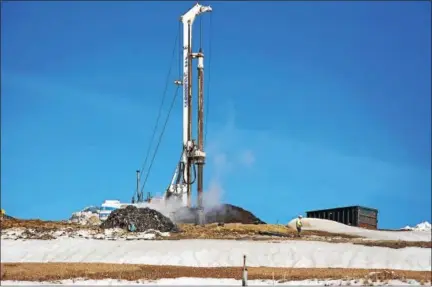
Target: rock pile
[
  {"x": 88, "y": 216},
  {"x": 224, "y": 213},
  {"x": 143, "y": 219}
]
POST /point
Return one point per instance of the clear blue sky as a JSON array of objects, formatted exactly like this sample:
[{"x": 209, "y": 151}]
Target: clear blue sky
[{"x": 312, "y": 105}]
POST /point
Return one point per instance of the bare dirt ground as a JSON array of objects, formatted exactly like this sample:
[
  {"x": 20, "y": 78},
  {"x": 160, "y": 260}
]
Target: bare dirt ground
[
  {"x": 247, "y": 231},
  {"x": 233, "y": 231},
  {"x": 42, "y": 225},
  {"x": 95, "y": 271}
]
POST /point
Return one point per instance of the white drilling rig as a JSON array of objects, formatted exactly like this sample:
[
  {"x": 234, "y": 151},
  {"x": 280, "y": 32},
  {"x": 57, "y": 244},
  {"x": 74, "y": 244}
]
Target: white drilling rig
[{"x": 190, "y": 167}]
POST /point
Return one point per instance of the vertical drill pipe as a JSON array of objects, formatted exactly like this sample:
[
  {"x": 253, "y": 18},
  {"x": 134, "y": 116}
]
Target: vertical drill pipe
[
  {"x": 188, "y": 166},
  {"x": 184, "y": 159},
  {"x": 200, "y": 176}
]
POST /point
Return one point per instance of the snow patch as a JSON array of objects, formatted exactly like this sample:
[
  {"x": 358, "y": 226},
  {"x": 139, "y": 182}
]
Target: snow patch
[
  {"x": 217, "y": 253},
  {"x": 185, "y": 281},
  {"x": 424, "y": 226},
  {"x": 336, "y": 227},
  {"x": 64, "y": 233}
]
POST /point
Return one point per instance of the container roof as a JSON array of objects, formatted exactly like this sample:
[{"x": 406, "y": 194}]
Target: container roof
[{"x": 343, "y": 207}]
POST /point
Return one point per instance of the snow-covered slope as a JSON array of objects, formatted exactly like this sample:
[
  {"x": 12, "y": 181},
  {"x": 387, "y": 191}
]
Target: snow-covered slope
[
  {"x": 336, "y": 227},
  {"x": 213, "y": 253},
  {"x": 424, "y": 226},
  {"x": 106, "y": 234}
]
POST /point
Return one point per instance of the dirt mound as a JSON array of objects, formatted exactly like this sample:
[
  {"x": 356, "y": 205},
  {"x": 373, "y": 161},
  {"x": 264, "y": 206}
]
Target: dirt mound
[
  {"x": 143, "y": 219},
  {"x": 224, "y": 213},
  {"x": 228, "y": 213}
]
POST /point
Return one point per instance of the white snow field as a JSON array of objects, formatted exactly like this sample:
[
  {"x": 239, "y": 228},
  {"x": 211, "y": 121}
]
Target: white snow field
[
  {"x": 184, "y": 281},
  {"x": 336, "y": 227},
  {"x": 213, "y": 253}
]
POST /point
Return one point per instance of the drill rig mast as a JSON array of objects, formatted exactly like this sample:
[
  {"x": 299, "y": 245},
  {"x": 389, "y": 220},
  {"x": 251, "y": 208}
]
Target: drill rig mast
[{"x": 193, "y": 154}]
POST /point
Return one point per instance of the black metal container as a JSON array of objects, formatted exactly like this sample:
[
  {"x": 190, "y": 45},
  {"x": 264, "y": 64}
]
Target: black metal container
[{"x": 360, "y": 216}]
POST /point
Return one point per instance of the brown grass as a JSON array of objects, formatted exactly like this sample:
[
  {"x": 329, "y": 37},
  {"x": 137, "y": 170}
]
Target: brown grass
[
  {"x": 235, "y": 231},
  {"x": 60, "y": 271},
  {"x": 209, "y": 231},
  {"x": 238, "y": 230},
  {"x": 40, "y": 225}
]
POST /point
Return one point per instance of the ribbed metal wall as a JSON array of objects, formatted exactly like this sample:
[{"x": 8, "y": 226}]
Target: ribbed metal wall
[{"x": 352, "y": 215}]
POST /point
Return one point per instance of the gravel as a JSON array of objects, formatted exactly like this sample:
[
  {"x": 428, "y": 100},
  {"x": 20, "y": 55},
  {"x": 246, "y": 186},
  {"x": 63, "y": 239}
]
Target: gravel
[{"x": 143, "y": 219}]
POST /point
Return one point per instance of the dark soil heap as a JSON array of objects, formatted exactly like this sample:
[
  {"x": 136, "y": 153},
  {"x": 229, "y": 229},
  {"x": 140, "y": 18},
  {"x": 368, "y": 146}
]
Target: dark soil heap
[
  {"x": 224, "y": 213},
  {"x": 143, "y": 219}
]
